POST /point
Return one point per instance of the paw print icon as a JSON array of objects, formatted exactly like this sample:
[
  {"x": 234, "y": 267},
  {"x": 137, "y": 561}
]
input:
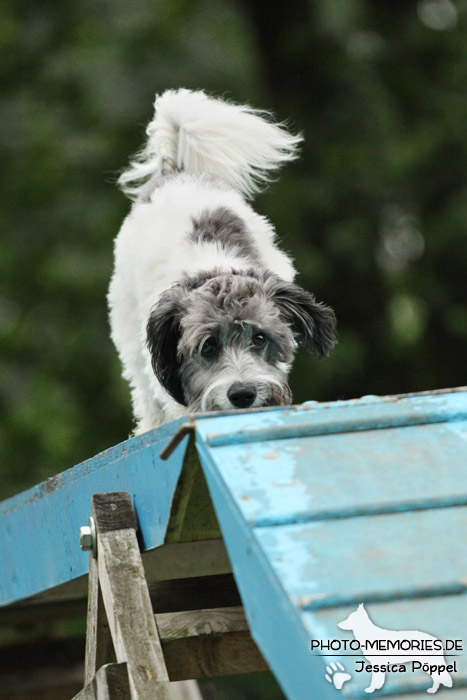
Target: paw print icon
[{"x": 337, "y": 675}]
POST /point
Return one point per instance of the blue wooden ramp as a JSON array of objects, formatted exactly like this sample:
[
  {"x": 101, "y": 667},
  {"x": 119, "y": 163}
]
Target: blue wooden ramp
[{"x": 322, "y": 508}]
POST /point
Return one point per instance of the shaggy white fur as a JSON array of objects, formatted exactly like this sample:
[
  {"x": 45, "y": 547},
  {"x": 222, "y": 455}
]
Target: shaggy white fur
[
  {"x": 202, "y": 154},
  {"x": 201, "y": 134}
]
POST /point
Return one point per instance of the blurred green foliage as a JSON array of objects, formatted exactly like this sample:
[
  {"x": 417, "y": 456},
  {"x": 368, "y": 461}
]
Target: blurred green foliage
[{"x": 375, "y": 212}]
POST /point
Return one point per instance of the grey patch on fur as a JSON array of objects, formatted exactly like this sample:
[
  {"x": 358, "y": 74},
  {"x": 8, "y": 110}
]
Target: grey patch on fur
[
  {"x": 230, "y": 308},
  {"x": 223, "y": 226}
]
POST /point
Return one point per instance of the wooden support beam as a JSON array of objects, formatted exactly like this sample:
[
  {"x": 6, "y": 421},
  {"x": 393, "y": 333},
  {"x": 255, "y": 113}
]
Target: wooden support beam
[
  {"x": 126, "y": 597},
  {"x": 178, "y": 560},
  {"x": 22, "y": 621},
  {"x": 207, "y": 643},
  {"x": 196, "y": 644},
  {"x": 199, "y": 626},
  {"x": 99, "y": 646},
  {"x": 110, "y": 683}
]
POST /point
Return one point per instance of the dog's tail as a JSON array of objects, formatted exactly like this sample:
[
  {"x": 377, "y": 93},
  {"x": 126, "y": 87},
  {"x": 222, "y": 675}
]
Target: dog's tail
[{"x": 194, "y": 132}]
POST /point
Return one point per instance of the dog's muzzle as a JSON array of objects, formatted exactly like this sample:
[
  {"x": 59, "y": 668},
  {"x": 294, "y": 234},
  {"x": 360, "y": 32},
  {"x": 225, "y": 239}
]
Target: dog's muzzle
[{"x": 241, "y": 395}]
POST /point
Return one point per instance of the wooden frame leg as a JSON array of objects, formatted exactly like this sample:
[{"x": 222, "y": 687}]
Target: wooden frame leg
[
  {"x": 110, "y": 683},
  {"x": 126, "y": 598},
  {"x": 99, "y": 646}
]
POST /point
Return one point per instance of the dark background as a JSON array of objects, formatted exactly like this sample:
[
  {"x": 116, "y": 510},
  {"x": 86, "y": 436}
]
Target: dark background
[{"x": 375, "y": 212}]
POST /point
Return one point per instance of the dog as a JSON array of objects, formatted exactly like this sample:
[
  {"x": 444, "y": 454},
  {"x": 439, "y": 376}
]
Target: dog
[
  {"x": 368, "y": 634},
  {"x": 204, "y": 312}
]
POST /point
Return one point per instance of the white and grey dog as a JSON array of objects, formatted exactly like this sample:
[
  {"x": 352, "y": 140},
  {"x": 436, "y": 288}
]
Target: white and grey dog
[{"x": 203, "y": 309}]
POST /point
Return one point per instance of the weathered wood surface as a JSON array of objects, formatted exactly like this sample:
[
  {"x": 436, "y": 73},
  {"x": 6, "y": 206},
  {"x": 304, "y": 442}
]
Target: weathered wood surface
[
  {"x": 196, "y": 644},
  {"x": 110, "y": 683},
  {"x": 170, "y": 561},
  {"x": 170, "y": 510},
  {"x": 410, "y": 474},
  {"x": 48, "y": 516},
  {"x": 314, "y": 419},
  {"x": 192, "y": 515},
  {"x": 332, "y": 505},
  {"x": 28, "y": 620},
  {"x": 205, "y": 643},
  {"x": 313, "y": 481},
  {"x": 393, "y": 550},
  {"x": 99, "y": 647},
  {"x": 126, "y": 597}
]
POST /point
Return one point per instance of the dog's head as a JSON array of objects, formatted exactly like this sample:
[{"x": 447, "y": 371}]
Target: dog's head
[{"x": 227, "y": 340}]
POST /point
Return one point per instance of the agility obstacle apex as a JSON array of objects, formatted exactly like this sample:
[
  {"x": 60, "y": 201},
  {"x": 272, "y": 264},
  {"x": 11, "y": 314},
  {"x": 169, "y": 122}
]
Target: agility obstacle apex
[{"x": 259, "y": 532}]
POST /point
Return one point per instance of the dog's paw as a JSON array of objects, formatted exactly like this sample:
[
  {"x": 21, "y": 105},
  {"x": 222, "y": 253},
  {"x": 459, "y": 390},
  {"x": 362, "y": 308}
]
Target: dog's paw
[{"x": 337, "y": 675}]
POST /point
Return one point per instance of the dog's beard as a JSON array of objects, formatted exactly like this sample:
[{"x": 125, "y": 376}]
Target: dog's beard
[
  {"x": 270, "y": 391},
  {"x": 206, "y": 387}
]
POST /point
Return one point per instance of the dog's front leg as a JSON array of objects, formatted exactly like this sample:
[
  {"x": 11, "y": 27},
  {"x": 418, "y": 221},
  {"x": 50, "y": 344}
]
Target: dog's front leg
[{"x": 377, "y": 681}]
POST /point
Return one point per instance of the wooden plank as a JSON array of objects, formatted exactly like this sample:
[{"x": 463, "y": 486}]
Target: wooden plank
[
  {"x": 110, "y": 683},
  {"x": 296, "y": 480},
  {"x": 99, "y": 646},
  {"x": 192, "y": 516},
  {"x": 206, "y": 643},
  {"x": 126, "y": 596},
  {"x": 196, "y": 644},
  {"x": 93, "y": 624},
  {"x": 22, "y": 622},
  {"x": 49, "y": 515},
  {"x": 383, "y": 557},
  {"x": 186, "y": 560},
  {"x": 274, "y": 622},
  {"x": 171, "y": 561},
  {"x": 276, "y": 579},
  {"x": 61, "y": 504},
  {"x": 313, "y": 419},
  {"x": 87, "y": 693}
]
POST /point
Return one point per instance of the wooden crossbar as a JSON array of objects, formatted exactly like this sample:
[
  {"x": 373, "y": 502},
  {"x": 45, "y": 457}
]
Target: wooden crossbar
[{"x": 132, "y": 653}]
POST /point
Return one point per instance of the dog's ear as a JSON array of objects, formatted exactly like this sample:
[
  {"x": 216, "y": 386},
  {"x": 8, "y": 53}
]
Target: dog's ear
[
  {"x": 313, "y": 323},
  {"x": 163, "y": 335}
]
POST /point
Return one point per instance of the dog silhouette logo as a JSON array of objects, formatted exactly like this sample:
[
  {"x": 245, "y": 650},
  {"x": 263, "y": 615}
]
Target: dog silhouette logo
[{"x": 381, "y": 647}]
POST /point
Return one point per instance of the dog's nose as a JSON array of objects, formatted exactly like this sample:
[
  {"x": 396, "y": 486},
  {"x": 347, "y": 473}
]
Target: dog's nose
[{"x": 241, "y": 395}]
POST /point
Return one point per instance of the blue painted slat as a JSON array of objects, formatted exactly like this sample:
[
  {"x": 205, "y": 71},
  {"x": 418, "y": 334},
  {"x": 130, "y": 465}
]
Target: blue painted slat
[
  {"x": 271, "y": 590},
  {"x": 339, "y": 470},
  {"x": 39, "y": 528},
  {"x": 443, "y": 617},
  {"x": 272, "y": 617},
  {"x": 284, "y": 481},
  {"x": 369, "y": 558},
  {"x": 367, "y": 413}
]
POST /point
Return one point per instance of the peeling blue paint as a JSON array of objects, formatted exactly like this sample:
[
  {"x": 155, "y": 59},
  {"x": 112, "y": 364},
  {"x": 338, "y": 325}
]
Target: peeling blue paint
[{"x": 322, "y": 506}]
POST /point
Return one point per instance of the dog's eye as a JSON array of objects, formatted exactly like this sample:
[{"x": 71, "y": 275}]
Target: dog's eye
[
  {"x": 259, "y": 340},
  {"x": 209, "y": 347}
]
